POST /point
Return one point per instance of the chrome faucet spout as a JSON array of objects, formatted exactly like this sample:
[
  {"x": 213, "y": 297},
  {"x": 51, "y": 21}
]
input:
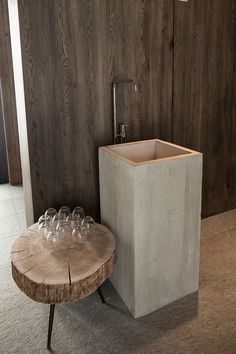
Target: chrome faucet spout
[{"x": 122, "y": 133}]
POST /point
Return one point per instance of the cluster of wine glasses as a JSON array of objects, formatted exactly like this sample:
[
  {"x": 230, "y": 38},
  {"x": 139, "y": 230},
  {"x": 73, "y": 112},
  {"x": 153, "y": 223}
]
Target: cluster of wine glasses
[{"x": 64, "y": 227}]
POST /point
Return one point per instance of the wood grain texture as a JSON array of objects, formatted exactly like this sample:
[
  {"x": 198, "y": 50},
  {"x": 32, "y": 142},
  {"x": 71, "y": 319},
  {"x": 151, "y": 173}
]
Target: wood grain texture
[
  {"x": 8, "y": 99},
  {"x": 204, "y": 113},
  {"x": 3, "y": 154},
  {"x": 64, "y": 273},
  {"x": 72, "y": 51}
]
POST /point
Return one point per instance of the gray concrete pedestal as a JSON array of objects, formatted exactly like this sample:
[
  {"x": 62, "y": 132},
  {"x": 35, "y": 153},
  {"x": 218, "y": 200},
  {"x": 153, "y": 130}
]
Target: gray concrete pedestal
[{"x": 150, "y": 195}]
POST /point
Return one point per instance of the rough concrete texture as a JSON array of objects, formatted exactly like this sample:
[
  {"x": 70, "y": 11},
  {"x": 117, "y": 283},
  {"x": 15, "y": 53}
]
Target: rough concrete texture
[{"x": 154, "y": 212}]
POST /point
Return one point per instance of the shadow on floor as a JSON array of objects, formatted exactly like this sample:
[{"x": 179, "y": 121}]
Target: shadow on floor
[{"x": 112, "y": 323}]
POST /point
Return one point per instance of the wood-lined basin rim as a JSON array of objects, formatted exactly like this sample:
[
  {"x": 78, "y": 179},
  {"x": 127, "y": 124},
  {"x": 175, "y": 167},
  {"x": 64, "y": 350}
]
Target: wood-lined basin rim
[{"x": 150, "y": 151}]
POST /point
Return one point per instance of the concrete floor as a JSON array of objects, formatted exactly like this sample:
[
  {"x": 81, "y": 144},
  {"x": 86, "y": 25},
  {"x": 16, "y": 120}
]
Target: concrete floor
[{"x": 201, "y": 323}]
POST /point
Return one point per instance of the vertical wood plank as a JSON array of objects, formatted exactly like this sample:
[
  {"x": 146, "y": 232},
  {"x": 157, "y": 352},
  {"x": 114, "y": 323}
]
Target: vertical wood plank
[
  {"x": 8, "y": 99},
  {"x": 3, "y": 153},
  {"x": 205, "y": 94}
]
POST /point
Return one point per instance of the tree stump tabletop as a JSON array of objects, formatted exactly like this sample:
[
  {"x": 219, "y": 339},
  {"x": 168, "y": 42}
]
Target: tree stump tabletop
[{"x": 62, "y": 275}]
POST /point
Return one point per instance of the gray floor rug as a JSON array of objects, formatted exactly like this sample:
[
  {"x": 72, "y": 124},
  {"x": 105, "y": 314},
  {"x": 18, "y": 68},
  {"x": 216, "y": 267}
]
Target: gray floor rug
[{"x": 201, "y": 323}]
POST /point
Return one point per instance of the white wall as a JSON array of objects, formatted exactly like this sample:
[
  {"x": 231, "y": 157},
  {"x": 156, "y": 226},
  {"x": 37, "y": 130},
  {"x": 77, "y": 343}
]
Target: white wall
[{"x": 20, "y": 107}]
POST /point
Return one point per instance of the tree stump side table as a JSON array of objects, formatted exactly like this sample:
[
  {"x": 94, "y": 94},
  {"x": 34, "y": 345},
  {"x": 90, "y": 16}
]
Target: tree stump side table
[{"x": 65, "y": 275}]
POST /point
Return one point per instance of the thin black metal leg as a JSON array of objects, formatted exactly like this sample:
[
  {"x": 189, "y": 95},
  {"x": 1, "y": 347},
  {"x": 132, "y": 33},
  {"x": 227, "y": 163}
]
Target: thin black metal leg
[
  {"x": 101, "y": 295},
  {"x": 50, "y": 324}
]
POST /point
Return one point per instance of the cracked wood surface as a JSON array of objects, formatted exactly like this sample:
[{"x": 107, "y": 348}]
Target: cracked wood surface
[{"x": 62, "y": 275}]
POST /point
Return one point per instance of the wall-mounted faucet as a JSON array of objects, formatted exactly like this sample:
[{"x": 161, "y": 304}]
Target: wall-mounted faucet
[{"x": 122, "y": 126}]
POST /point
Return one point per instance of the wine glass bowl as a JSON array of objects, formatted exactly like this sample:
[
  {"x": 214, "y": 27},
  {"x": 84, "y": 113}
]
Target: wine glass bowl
[
  {"x": 64, "y": 211},
  {"x": 88, "y": 224},
  {"x": 78, "y": 233},
  {"x": 43, "y": 222},
  {"x": 43, "y": 226},
  {"x": 72, "y": 220},
  {"x": 51, "y": 212},
  {"x": 79, "y": 212}
]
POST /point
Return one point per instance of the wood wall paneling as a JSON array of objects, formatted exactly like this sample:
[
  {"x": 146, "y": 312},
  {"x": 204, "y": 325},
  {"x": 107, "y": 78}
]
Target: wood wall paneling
[
  {"x": 140, "y": 35},
  {"x": 3, "y": 154},
  {"x": 204, "y": 115},
  {"x": 8, "y": 98},
  {"x": 72, "y": 51}
]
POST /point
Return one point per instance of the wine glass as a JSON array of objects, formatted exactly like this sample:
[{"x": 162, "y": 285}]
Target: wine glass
[
  {"x": 43, "y": 225},
  {"x": 43, "y": 222},
  {"x": 79, "y": 211},
  {"x": 72, "y": 220},
  {"x": 64, "y": 211},
  {"x": 52, "y": 233},
  {"x": 51, "y": 212},
  {"x": 78, "y": 233},
  {"x": 88, "y": 224}
]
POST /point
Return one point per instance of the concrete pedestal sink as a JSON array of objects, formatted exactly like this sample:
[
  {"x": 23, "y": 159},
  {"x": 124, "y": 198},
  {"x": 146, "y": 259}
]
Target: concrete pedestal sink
[{"x": 150, "y": 195}]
